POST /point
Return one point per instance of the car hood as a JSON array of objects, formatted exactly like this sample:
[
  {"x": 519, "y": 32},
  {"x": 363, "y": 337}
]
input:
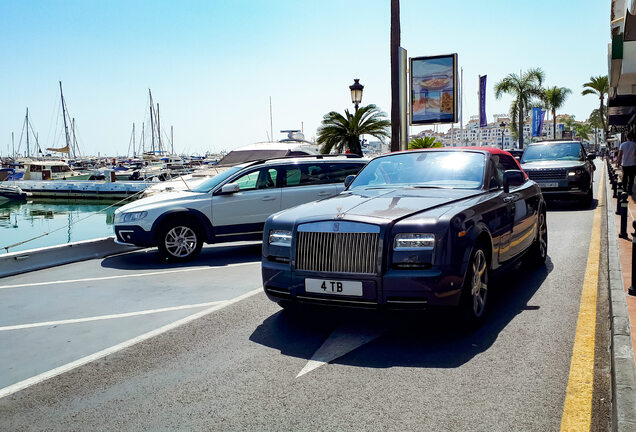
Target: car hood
[
  {"x": 551, "y": 164},
  {"x": 160, "y": 199},
  {"x": 387, "y": 204}
]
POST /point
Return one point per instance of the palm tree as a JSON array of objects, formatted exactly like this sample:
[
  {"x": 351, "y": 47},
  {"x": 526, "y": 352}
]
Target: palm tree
[
  {"x": 423, "y": 143},
  {"x": 583, "y": 130},
  {"x": 523, "y": 88},
  {"x": 568, "y": 122},
  {"x": 340, "y": 132},
  {"x": 598, "y": 86},
  {"x": 596, "y": 122},
  {"x": 554, "y": 98}
]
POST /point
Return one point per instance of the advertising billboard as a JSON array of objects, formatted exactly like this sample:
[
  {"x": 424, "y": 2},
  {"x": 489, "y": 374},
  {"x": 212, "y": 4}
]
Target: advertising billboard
[{"x": 434, "y": 89}]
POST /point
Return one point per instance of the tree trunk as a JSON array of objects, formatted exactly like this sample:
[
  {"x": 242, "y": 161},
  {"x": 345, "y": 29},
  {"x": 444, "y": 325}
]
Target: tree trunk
[
  {"x": 520, "y": 127},
  {"x": 354, "y": 146},
  {"x": 600, "y": 111},
  {"x": 553, "y": 124},
  {"x": 395, "y": 75}
]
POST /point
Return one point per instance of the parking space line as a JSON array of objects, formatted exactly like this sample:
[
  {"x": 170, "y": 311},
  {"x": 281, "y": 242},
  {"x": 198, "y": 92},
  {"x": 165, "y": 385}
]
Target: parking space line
[
  {"x": 133, "y": 275},
  {"x": 577, "y": 410},
  {"x": 107, "y": 317},
  {"x": 6, "y": 391}
]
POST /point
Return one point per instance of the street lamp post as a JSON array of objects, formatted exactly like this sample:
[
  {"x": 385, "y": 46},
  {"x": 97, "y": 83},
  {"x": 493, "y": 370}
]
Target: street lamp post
[
  {"x": 502, "y": 125},
  {"x": 356, "y": 92}
]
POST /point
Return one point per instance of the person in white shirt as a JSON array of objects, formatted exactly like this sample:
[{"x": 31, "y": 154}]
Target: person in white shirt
[{"x": 627, "y": 159}]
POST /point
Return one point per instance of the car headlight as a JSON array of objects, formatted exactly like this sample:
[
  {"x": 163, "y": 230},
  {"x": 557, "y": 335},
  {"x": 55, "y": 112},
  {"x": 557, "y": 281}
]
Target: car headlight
[
  {"x": 414, "y": 241},
  {"x": 280, "y": 238},
  {"x": 576, "y": 172},
  {"x": 132, "y": 216}
]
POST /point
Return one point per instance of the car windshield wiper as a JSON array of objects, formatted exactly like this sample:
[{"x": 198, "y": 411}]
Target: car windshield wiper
[{"x": 431, "y": 187}]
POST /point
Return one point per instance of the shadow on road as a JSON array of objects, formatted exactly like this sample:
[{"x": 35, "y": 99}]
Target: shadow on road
[
  {"x": 213, "y": 256},
  {"x": 412, "y": 339},
  {"x": 568, "y": 205}
]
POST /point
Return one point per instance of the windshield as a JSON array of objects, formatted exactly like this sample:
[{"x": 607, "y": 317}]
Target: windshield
[
  {"x": 213, "y": 182},
  {"x": 448, "y": 169},
  {"x": 553, "y": 151}
]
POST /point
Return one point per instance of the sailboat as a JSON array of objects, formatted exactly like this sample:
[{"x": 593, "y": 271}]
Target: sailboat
[{"x": 70, "y": 147}]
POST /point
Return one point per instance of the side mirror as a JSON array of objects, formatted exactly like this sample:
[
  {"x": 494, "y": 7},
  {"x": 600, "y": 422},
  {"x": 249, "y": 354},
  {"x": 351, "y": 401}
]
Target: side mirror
[
  {"x": 513, "y": 178},
  {"x": 229, "y": 188},
  {"x": 349, "y": 180},
  {"x": 591, "y": 156}
]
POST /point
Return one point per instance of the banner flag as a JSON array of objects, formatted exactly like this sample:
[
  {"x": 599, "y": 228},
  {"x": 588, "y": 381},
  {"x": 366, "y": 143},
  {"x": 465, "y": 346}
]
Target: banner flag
[
  {"x": 541, "y": 119},
  {"x": 536, "y": 120},
  {"x": 483, "y": 121}
]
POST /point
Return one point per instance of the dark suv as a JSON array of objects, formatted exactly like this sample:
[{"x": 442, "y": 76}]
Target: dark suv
[{"x": 562, "y": 169}]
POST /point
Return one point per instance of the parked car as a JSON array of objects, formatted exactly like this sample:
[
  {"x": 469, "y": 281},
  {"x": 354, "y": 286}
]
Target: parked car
[
  {"x": 413, "y": 229},
  {"x": 516, "y": 153},
  {"x": 231, "y": 206},
  {"x": 562, "y": 169}
]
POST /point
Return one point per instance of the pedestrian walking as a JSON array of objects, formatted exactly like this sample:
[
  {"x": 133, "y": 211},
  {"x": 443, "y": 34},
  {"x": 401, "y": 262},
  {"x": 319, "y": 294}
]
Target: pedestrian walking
[{"x": 627, "y": 159}]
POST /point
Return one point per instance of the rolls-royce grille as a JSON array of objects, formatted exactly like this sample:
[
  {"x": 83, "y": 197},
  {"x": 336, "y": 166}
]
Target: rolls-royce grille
[
  {"x": 547, "y": 174},
  {"x": 337, "y": 252}
]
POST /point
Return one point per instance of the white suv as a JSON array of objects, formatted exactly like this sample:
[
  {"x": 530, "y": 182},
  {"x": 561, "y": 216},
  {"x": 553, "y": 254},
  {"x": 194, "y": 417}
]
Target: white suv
[{"x": 231, "y": 206}]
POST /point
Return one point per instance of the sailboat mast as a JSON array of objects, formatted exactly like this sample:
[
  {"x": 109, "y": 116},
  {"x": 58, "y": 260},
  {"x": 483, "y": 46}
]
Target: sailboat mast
[
  {"x": 74, "y": 138},
  {"x": 26, "y": 122},
  {"x": 143, "y": 144},
  {"x": 13, "y": 144},
  {"x": 159, "y": 129},
  {"x": 68, "y": 137},
  {"x": 152, "y": 122},
  {"x": 172, "y": 139},
  {"x": 134, "y": 144}
]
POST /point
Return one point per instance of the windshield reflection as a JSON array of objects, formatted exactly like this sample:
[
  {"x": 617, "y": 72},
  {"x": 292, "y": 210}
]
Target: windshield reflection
[{"x": 433, "y": 169}]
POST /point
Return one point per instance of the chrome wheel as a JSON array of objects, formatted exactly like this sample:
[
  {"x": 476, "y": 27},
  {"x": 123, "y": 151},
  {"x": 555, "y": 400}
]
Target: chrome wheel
[
  {"x": 180, "y": 241},
  {"x": 543, "y": 237},
  {"x": 479, "y": 285}
]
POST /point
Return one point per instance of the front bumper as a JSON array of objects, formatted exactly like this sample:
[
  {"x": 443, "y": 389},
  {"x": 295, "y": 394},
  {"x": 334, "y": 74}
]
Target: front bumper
[
  {"x": 395, "y": 289},
  {"x": 133, "y": 235}
]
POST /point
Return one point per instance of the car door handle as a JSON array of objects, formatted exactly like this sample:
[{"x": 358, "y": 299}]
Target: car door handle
[
  {"x": 324, "y": 193},
  {"x": 268, "y": 198},
  {"x": 509, "y": 199}
]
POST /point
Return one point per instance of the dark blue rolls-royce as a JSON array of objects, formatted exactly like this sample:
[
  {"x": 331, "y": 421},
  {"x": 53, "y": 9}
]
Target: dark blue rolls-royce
[{"x": 412, "y": 229}]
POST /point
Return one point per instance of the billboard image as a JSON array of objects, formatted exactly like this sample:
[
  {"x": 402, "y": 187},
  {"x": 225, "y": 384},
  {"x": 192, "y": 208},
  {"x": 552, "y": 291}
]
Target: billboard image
[{"x": 434, "y": 89}]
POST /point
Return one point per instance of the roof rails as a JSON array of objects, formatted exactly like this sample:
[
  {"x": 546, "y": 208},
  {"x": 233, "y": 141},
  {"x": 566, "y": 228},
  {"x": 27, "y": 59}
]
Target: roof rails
[{"x": 261, "y": 161}]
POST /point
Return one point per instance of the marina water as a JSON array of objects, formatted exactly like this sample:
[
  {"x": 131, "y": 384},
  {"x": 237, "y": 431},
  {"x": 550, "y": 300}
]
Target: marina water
[{"x": 66, "y": 221}]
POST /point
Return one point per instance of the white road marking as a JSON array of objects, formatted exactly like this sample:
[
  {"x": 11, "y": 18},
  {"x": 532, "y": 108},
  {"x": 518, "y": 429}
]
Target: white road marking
[
  {"x": 6, "y": 391},
  {"x": 132, "y": 275},
  {"x": 106, "y": 317},
  {"x": 342, "y": 341}
]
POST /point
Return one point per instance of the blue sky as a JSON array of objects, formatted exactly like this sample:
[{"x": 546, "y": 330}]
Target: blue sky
[{"x": 212, "y": 65}]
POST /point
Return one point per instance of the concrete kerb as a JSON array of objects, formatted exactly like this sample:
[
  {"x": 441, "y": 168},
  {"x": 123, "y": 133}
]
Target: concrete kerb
[
  {"x": 622, "y": 353},
  {"x": 37, "y": 259}
]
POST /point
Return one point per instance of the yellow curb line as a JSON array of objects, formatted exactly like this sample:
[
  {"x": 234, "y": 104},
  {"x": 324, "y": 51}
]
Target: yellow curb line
[{"x": 577, "y": 410}]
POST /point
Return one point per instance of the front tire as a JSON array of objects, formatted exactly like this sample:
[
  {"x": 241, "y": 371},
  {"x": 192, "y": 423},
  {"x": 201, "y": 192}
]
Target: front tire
[
  {"x": 475, "y": 291},
  {"x": 180, "y": 242},
  {"x": 538, "y": 252}
]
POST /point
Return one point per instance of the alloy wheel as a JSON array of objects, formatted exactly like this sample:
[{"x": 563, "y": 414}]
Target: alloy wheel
[
  {"x": 543, "y": 236},
  {"x": 180, "y": 241},
  {"x": 479, "y": 285}
]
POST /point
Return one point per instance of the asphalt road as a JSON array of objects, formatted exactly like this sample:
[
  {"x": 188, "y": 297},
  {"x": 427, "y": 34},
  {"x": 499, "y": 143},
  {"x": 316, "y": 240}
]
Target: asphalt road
[{"x": 240, "y": 363}]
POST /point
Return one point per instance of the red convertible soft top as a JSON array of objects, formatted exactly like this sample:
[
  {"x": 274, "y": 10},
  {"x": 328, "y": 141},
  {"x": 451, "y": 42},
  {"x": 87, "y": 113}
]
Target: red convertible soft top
[{"x": 491, "y": 150}]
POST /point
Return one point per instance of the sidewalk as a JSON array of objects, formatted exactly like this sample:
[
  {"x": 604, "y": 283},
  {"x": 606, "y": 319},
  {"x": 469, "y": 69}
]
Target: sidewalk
[
  {"x": 625, "y": 255},
  {"x": 623, "y": 313}
]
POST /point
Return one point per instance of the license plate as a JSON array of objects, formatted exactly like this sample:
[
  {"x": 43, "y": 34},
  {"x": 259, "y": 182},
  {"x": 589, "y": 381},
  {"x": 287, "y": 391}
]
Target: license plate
[
  {"x": 548, "y": 185},
  {"x": 335, "y": 287}
]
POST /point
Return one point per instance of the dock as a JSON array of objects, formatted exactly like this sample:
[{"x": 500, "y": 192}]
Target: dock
[{"x": 82, "y": 189}]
